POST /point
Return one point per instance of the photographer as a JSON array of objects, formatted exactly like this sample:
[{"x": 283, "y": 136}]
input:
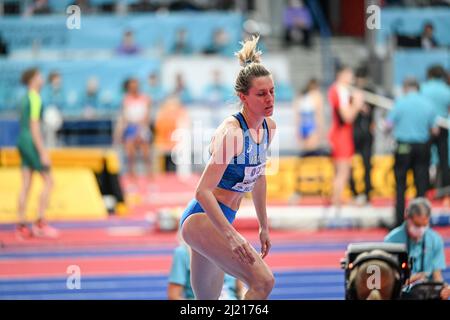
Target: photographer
[
  {"x": 360, "y": 278},
  {"x": 425, "y": 246}
]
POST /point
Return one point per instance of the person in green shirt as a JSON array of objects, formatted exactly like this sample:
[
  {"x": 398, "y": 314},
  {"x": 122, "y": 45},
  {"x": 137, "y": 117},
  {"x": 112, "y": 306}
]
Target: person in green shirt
[{"x": 34, "y": 156}]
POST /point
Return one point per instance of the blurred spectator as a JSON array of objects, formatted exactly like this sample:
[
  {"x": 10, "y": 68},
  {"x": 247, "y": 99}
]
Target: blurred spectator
[
  {"x": 54, "y": 94},
  {"x": 109, "y": 7},
  {"x": 406, "y": 40},
  {"x": 391, "y": 3},
  {"x": 11, "y": 8},
  {"x": 344, "y": 107},
  {"x": 428, "y": 41},
  {"x": 363, "y": 133},
  {"x": 4, "y": 51},
  {"x": 155, "y": 89},
  {"x": 144, "y": 6},
  {"x": 425, "y": 40},
  {"x": 85, "y": 6},
  {"x": 38, "y": 7},
  {"x": 180, "y": 288},
  {"x": 219, "y": 43},
  {"x": 34, "y": 157},
  {"x": 184, "y": 5},
  {"x": 439, "y": 3},
  {"x": 128, "y": 46},
  {"x": 91, "y": 100},
  {"x": 181, "y": 90},
  {"x": 297, "y": 23},
  {"x": 309, "y": 113},
  {"x": 425, "y": 246},
  {"x": 171, "y": 116},
  {"x": 181, "y": 44},
  {"x": 133, "y": 125},
  {"x": 438, "y": 93},
  {"x": 412, "y": 119},
  {"x": 216, "y": 93},
  {"x": 225, "y": 5}
]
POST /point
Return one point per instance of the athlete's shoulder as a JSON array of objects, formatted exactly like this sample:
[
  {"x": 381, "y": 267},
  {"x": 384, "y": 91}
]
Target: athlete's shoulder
[
  {"x": 227, "y": 135},
  {"x": 230, "y": 127},
  {"x": 317, "y": 97},
  {"x": 231, "y": 121}
]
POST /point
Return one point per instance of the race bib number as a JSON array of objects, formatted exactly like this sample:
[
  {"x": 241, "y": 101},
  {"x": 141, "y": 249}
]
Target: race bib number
[{"x": 251, "y": 175}]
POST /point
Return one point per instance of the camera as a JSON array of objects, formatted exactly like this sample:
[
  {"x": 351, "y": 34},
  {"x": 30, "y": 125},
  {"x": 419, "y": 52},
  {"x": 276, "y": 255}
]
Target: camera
[
  {"x": 423, "y": 290},
  {"x": 375, "y": 270}
]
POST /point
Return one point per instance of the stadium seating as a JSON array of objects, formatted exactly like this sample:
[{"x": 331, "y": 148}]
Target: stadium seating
[
  {"x": 420, "y": 59},
  {"x": 151, "y": 30},
  {"x": 92, "y": 158},
  {"x": 411, "y": 21},
  {"x": 314, "y": 176}
]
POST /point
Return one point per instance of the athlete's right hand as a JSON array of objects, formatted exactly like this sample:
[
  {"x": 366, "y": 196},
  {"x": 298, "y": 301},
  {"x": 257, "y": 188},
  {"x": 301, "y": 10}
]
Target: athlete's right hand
[{"x": 242, "y": 250}]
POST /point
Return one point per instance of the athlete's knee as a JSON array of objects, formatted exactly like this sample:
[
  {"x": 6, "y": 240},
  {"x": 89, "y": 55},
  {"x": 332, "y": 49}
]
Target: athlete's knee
[
  {"x": 50, "y": 183},
  {"x": 268, "y": 281},
  {"x": 26, "y": 186},
  {"x": 263, "y": 283}
]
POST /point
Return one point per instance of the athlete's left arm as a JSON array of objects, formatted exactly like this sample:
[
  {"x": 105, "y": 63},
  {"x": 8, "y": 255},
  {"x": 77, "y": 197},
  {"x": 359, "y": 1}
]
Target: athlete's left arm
[
  {"x": 148, "y": 109},
  {"x": 259, "y": 200},
  {"x": 119, "y": 126}
]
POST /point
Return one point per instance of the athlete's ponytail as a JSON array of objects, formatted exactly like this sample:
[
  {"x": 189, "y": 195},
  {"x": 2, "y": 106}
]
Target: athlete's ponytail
[{"x": 250, "y": 60}]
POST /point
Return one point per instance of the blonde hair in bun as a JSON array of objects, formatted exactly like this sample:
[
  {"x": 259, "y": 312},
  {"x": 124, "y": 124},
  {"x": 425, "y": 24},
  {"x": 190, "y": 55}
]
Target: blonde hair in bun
[{"x": 250, "y": 59}]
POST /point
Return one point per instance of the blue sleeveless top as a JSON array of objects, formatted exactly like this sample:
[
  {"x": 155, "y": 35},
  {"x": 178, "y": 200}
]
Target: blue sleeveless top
[
  {"x": 245, "y": 168},
  {"x": 307, "y": 116}
]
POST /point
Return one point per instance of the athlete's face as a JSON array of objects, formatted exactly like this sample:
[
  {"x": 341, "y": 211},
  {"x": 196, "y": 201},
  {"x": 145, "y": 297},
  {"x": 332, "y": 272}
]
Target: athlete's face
[
  {"x": 346, "y": 76},
  {"x": 260, "y": 97},
  {"x": 133, "y": 87},
  {"x": 38, "y": 81}
]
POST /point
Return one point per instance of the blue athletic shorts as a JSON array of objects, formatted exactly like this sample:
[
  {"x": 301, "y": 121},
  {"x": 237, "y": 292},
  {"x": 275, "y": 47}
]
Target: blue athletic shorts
[
  {"x": 132, "y": 131},
  {"x": 195, "y": 207}
]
